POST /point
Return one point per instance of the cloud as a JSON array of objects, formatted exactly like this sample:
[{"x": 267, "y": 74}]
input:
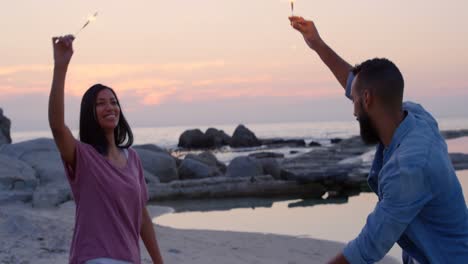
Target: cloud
[
  {"x": 12, "y": 70},
  {"x": 151, "y": 84},
  {"x": 232, "y": 80},
  {"x": 144, "y": 79},
  {"x": 178, "y": 83}
]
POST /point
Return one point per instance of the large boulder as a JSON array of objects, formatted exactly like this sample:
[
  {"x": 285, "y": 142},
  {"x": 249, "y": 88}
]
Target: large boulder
[
  {"x": 193, "y": 139},
  {"x": 209, "y": 159},
  {"x": 159, "y": 164},
  {"x": 17, "y": 180},
  {"x": 51, "y": 195},
  {"x": 243, "y": 137},
  {"x": 151, "y": 147},
  {"x": 42, "y": 156},
  {"x": 17, "y": 150},
  {"x": 271, "y": 166},
  {"x": 244, "y": 167},
  {"x": 314, "y": 144},
  {"x": 150, "y": 178},
  {"x": 5, "y": 125},
  {"x": 194, "y": 169},
  {"x": 327, "y": 164},
  {"x": 217, "y": 138},
  {"x": 264, "y": 155},
  {"x": 48, "y": 166},
  {"x": 279, "y": 142}
]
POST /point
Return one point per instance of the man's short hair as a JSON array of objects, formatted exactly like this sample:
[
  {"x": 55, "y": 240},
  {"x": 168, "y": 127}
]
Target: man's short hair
[{"x": 383, "y": 79}]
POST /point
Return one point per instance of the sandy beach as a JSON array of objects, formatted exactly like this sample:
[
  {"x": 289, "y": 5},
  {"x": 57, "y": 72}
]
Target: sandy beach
[{"x": 43, "y": 236}]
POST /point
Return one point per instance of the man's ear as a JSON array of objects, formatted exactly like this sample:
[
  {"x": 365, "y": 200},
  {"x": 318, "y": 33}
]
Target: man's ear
[{"x": 367, "y": 99}]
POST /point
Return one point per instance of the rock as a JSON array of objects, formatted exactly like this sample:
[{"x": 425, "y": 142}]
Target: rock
[
  {"x": 459, "y": 160},
  {"x": 243, "y": 137},
  {"x": 295, "y": 142},
  {"x": 337, "y": 174},
  {"x": 48, "y": 166},
  {"x": 293, "y": 152},
  {"x": 244, "y": 167},
  {"x": 160, "y": 164},
  {"x": 16, "y": 174},
  {"x": 314, "y": 144},
  {"x": 262, "y": 155},
  {"x": 451, "y": 134},
  {"x": 17, "y": 180},
  {"x": 17, "y": 150},
  {"x": 150, "y": 178},
  {"x": 279, "y": 142},
  {"x": 209, "y": 159},
  {"x": 336, "y": 140},
  {"x": 19, "y": 224},
  {"x": 5, "y": 125},
  {"x": 224, "y": 187},
  {"x": 194, "y": 169},
  {"x": 324, "y": 164},
  {"x": 178, "y": 161},
  {"x": 271, "y": 166},
  {"x": 42, "y": 156},
  {"x": 458, "y": 157},
  {"x": 51, "y": 195},
  {"x": 151, "y": 147},
  {"x": 193, "y": 139},
  {"x": 15, "y": 196},
  {"x": 217, "y": 138},
  {"x": 352, "y": 142}
]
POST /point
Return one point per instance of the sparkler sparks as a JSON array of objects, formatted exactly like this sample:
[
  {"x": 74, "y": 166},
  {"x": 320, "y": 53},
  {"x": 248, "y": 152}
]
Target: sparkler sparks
[{"x": 90, "y": 19}]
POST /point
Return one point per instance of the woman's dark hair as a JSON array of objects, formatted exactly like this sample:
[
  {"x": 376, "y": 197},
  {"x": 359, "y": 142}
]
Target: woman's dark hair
[{"x": 90, "y": 130}]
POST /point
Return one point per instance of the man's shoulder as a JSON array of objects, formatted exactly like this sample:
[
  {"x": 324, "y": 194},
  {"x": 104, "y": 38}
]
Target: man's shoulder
[
  {"x": 413, "y": 152},
  {"x": 420, "y": 113}
]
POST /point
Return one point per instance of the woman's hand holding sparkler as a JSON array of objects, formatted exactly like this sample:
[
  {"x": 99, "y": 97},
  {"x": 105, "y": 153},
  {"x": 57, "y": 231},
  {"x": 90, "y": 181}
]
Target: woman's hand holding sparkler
[
  {"x": 308, "y": 30},
  {"x": 63, "y": 50}
]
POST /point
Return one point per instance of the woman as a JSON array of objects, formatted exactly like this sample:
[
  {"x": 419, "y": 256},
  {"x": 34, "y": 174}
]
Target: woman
[{"x": 104, "y": 173}]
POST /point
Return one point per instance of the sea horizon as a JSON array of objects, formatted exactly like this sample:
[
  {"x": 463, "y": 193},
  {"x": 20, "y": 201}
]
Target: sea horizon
[{"x": 320, "y": 131}]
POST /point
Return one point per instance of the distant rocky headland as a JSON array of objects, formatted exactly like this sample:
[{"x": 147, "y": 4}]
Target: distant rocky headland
[{"x": 32, "y": 171}]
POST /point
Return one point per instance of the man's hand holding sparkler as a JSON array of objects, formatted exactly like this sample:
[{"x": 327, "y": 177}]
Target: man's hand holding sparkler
[
  {"x": 63, "y": 50},
  {"x": 308, "y": 30},
  {"x": 339, "y": 67}
]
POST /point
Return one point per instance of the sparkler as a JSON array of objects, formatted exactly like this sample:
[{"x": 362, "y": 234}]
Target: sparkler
[
  {"x": 90, "y": 19},
  {"x": 292, "y": 7}
]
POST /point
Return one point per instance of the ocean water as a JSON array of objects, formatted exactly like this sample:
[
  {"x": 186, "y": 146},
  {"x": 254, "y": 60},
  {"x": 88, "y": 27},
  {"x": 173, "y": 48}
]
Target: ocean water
[
  {"x": 321, "y": 132},
  {"x": 168, "y": 137}
]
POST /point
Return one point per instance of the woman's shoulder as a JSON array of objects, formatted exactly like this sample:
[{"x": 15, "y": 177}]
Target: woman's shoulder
[
  {"x": 131, "y": 152},
  {"x": 84, "y": 148}
]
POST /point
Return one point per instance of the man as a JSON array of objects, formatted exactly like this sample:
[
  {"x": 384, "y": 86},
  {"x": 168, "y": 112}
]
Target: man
[{"x": 421, "y": 204}]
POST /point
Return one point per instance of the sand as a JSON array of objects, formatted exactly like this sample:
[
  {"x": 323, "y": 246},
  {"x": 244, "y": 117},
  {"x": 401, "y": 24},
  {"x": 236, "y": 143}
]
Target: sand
[{"x": 43, "y": 236}]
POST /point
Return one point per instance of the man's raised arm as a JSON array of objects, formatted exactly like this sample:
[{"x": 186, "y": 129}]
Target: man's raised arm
[{"x": 339, "y": 67}]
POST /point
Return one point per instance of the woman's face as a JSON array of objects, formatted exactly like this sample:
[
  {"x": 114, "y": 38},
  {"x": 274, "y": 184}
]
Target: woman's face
[{"x": 107, "y": 110}]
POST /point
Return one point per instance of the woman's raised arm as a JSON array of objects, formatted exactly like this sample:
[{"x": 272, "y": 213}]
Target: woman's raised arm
[{"x": 63, "y": 51}]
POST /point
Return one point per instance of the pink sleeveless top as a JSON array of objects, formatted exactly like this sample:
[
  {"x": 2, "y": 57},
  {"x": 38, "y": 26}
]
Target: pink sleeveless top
[{"x": 109, "y": 203}]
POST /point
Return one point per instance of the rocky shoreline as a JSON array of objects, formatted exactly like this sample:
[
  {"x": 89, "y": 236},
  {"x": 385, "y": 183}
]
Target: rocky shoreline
[{"x": 32, "y": 171}]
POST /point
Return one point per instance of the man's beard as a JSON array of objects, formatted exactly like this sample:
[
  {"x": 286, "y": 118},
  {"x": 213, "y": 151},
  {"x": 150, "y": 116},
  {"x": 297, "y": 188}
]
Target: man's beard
[{"x": 368, "y": 132}]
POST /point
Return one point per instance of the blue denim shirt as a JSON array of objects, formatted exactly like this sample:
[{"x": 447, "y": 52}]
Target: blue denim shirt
[{"x": 421, "y": 204}]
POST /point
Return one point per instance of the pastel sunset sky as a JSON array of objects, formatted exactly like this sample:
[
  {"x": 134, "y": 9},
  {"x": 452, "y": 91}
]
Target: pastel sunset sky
[{"x": 208, "y": 62}]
